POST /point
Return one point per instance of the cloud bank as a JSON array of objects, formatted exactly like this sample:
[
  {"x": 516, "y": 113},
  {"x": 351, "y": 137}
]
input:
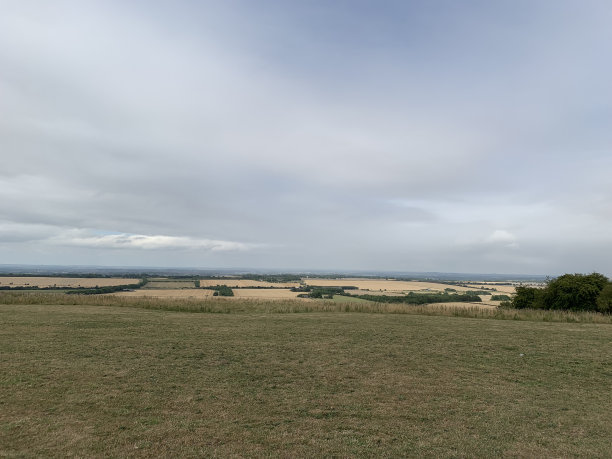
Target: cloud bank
[{"x": 402, "y": 136}]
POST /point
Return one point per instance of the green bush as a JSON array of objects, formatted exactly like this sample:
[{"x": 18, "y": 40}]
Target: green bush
[
  {"x": 574, "y": 292},
  {"x": 500, "y": 298},
  {"x": 604, "y": 300},
  {"x": 570, "y": 292},
  {"x": 222, "y": 290}
]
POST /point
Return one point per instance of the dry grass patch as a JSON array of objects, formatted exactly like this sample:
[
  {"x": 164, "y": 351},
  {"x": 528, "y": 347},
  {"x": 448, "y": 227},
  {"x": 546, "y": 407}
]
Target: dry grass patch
[
  {"x": 263, "y": 293},
  {"x": 344, "y": 305},
  {"x": 70, "y": 282},
  {"x": 167, "y": 293},
  {"x": 119, "y": 382},
  {"x": 463, "y": 305}
]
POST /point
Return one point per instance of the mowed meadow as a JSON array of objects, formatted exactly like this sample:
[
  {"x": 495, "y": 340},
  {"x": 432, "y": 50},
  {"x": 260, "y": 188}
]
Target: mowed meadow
[
  {"x": 163, "y": 367},
  {"x": 136, "y": 378}
]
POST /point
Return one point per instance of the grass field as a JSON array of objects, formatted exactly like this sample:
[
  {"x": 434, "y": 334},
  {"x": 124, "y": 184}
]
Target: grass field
[{"x": 119, "y": 381}]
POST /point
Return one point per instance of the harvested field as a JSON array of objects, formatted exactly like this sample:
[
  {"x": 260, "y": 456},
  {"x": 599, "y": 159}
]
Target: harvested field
[
  {"x": 168, "y": 293},
  {"x": 499, "y": 288},
  {"x": 169, "y": 284},
  {"x": 382, "y": 284},
  {"x": 264, "y": 293},
  {"x": 42, "y": 282},
  {"x": 245, "y": 283}
]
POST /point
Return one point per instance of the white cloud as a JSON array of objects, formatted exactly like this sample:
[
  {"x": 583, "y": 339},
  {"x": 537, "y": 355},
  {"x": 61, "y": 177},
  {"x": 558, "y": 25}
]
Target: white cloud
[
  {"x": 146, "y": 242},
  {"x": 503, "y": 237}
]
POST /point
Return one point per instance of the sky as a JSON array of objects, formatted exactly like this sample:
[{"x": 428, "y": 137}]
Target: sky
[{"x": 444, "y": 135}]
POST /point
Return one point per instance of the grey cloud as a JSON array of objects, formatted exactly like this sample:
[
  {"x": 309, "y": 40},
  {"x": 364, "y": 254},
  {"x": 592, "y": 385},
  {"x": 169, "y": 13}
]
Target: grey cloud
[{"x": 343, "y": 140}]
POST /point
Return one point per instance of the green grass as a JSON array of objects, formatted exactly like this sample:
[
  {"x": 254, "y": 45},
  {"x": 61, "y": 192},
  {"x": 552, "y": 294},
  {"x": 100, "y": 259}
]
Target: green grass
[{"x": 83, "y": 380}]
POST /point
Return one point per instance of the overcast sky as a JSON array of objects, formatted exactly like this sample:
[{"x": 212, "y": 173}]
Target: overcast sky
[{"x": 456, "y": 136}]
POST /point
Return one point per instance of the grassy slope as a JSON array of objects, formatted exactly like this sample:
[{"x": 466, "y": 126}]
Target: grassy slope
[{"x": 88, "y": 380}]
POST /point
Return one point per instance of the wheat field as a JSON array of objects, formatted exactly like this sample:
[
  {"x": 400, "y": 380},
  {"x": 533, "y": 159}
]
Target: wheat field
[
  {"x": 85, "y": 282},
  {"x": 245, "y": 283}
]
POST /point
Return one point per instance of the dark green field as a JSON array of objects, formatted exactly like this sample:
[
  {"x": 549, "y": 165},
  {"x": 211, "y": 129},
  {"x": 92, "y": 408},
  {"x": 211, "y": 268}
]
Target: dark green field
[{"x": 98, "y": 380}]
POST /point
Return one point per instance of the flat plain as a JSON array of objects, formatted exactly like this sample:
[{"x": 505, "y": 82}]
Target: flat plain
[
  {"x": 246, "y": 283},
  {"x": 85, "y": 282},
  {"x": 391, "y": 285},
  {"x": 87, "y": 380}
]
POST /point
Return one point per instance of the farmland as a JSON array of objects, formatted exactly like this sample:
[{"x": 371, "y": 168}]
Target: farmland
[
  {"x": 169, "y": 284},
  {"x": 264, "y": 293},
  {"x": 167, "y": 293},
  {"x": 69, "y": 282},
  {"x": 399, "y": 286},
  {"x": 246, "y": 283},
  {"x": 194, "y": 287},
  {"x": 90, "y": 380}
]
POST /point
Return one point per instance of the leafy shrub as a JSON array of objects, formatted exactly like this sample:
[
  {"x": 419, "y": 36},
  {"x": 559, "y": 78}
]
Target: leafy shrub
[
  {"x": 500, "y": 298},
  {"x": 222, "y": 290},
  {"x": 527, "y": 297},
  {"x": 574, "y": 292},
  {"x": 604, "y": 300},
  {"x": 570, "y": 292}
]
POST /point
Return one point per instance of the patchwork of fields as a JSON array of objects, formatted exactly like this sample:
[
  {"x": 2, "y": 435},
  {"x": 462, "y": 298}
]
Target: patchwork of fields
[
  {"x": 69, "y": 282},
  {"x": 246, "y": 283},
  {"x": 161, "y": 287}
]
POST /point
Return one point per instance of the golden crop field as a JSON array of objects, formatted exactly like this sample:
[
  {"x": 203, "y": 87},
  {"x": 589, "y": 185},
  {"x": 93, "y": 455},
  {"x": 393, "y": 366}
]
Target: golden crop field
[
  {"x": 382, "y": 284},
  {"x": 173, "y": 285},
  {"x": 265, "y": 293},
  {"x": 242, "y": 283},
  {"x": 168, "y": 293},
  {"x": 498, "y": 288},
  {"x": 43, "y": 282}
]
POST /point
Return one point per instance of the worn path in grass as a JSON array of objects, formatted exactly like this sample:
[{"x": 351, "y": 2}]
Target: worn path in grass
[{"x": 92, "y": 380}]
